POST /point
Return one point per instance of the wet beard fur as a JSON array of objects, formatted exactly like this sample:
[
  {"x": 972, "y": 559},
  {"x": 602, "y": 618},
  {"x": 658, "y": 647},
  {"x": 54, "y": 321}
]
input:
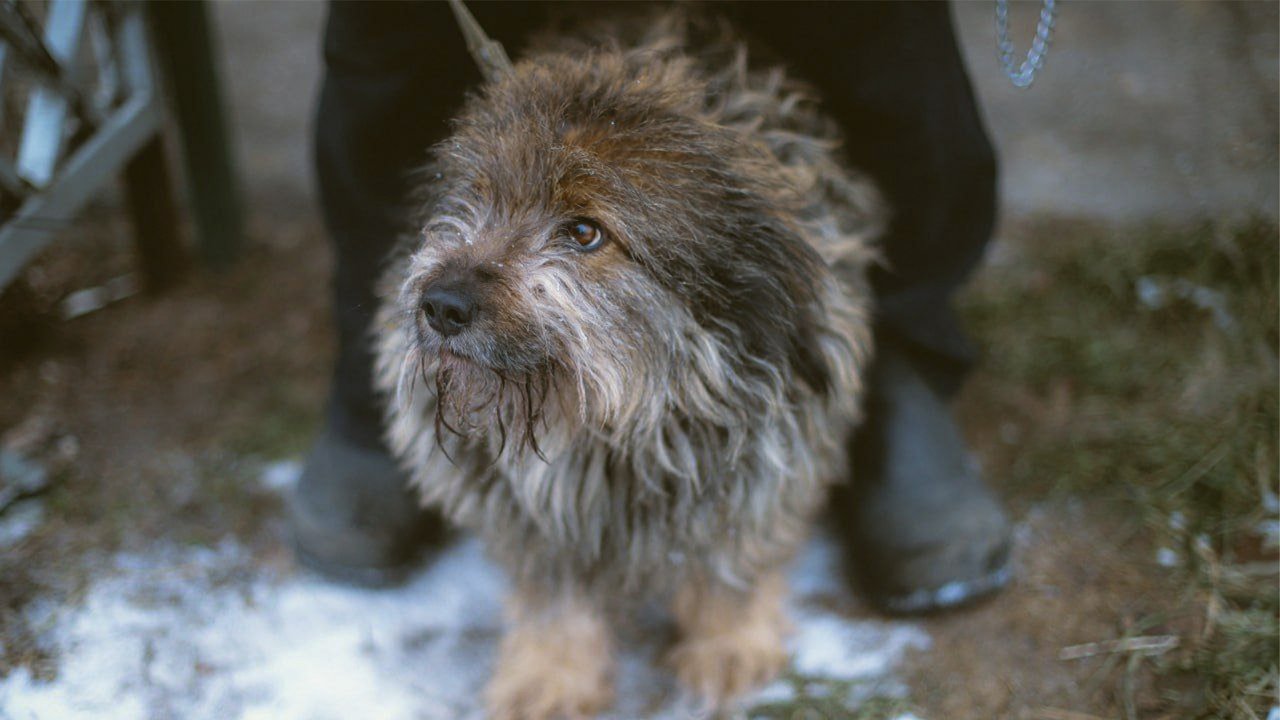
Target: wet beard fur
[{"x": 475, "y": 404}]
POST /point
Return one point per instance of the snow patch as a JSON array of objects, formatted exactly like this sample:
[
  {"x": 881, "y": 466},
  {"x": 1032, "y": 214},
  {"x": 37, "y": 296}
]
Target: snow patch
[
  {"x": 20, "y": 520},
  {"x": 281, "y": 475},
  {"x": 1168, "y": 557},
  {"x": 209, "y": 634}
]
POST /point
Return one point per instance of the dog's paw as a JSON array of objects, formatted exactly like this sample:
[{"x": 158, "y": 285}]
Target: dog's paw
[
  {"x": 551, "y": 676},
  {"x": 546, "y": 691},
  {"x": 730, "y": 643},
  {"x": 719, "y": 668}
]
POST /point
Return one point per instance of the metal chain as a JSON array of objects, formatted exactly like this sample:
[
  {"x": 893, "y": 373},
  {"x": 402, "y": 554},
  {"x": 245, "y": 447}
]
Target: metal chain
[{"x": 1022, "y": 76}]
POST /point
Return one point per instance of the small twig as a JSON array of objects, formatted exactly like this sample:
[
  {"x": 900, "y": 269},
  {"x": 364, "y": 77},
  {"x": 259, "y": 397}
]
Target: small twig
[
  {"x": 1131, "y": 669},
  {"x": 1213, "y": 606},
  {"x": 1145, "y": 644},
  {"x": 1207, "y": 462},
  {"x": 1245, "y": 710},
  {"x": 1100, "y": 675}
]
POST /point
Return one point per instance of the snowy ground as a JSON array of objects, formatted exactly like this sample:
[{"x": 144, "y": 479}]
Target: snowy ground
[{"x": 201, "y": 633}]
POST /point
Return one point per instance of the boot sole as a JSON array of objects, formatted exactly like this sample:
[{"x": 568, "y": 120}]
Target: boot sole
[
  {"x": 951, "y": 596},
  {"x": 371, "y": 577}
]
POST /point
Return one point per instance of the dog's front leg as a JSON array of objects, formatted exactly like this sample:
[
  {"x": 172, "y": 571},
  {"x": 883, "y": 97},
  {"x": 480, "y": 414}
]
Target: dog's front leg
[
  {"x": 731, "y": 640},
  {"x": 556, "y": 659}
]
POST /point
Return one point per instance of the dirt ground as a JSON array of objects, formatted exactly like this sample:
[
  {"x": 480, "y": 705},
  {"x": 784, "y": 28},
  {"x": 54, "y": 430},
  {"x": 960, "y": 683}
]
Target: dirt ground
[{"x": 155, "y": 414}]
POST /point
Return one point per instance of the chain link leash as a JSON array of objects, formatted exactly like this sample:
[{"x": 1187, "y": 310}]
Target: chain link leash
[{"x": 1022, "y": 76}]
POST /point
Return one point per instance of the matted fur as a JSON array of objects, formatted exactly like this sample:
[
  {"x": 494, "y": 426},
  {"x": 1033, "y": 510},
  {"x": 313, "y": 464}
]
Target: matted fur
[{"x": 674, "y": 404}]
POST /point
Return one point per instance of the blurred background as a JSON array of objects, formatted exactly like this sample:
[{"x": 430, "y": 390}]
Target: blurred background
[
  {"x": 1126, "y": 408},
  {"x": 1147, "y": 111}
]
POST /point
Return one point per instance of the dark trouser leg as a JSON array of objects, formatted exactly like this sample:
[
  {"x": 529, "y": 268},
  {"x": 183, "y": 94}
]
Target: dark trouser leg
[
  {"x": 893, "y": 77},
  {"x": 922, "y": 529},
  {"x": 395, "y": 73},
  {"x": 352, "y": 517},
  {"x": 380, "y": 110}
]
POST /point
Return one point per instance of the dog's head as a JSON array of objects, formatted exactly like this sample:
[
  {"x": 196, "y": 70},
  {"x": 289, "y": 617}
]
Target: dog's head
[{"x": 593, "y": 236}]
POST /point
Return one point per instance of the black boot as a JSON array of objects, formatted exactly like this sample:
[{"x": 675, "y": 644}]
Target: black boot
[
  {"x": 353, "y": 519},
  {"x": 922, "y": 531}
]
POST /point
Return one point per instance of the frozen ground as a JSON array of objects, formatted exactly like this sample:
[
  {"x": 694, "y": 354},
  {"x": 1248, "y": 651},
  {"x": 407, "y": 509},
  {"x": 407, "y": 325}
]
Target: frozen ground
[{"x": 208, "y": 634}]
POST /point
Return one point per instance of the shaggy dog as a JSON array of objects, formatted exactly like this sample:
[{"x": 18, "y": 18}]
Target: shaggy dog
[{"x": 625, "y": 348}]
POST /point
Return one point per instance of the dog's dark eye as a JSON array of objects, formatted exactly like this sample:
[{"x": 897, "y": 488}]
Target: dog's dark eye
[{"x": 585, "y": 234}]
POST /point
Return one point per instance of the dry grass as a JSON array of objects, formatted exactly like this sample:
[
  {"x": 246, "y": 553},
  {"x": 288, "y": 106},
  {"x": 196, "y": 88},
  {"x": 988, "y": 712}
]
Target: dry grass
[{"x": 1155, "y": 356}]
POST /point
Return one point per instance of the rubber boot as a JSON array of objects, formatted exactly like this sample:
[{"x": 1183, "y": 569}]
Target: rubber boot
[{"x": 922, "y": 531}]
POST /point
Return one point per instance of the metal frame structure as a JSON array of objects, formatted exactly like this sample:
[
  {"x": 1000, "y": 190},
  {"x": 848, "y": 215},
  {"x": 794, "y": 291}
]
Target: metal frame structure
[{"x": 95, "y": 109}]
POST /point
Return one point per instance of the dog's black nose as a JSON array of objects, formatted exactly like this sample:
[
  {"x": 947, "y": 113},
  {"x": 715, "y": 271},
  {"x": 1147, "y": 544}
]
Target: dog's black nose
[{"x": 449, "y": 307}]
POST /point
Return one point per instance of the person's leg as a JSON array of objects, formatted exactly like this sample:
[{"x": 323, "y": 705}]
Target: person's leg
[
  {"x": 921, "y": 528},
  {"x": 395, "y": 73}
]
